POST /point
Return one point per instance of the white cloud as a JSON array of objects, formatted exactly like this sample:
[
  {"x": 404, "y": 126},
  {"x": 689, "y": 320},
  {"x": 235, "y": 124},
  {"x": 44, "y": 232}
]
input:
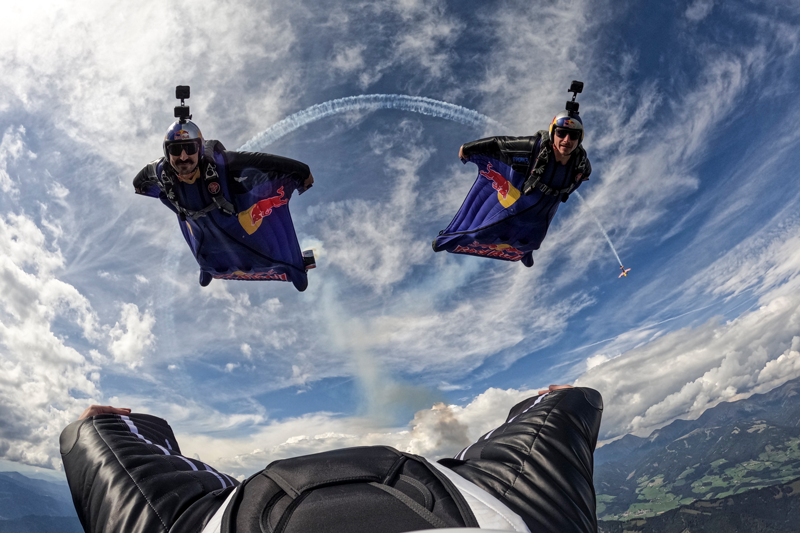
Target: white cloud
[
  {"x": 348, "y": 58},
  {"x": 374, "y": 242},
  {"x": 41, "y": 370},
  {"x": 698, "y": 10},
  {"x": 439, "y": 431},
  {"x": 683, "y": 373},
  {"x": 12, "y": 148},
  {"x": 207, "y": 46},
  {"x": 132, "y": 336}
]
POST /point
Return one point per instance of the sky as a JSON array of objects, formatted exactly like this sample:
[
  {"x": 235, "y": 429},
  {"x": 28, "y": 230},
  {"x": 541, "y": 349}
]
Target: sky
[{"x": 690, "y": 114}]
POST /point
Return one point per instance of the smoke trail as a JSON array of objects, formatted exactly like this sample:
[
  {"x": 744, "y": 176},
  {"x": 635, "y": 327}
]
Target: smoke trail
[
  {"x": 367, "y": 102},
  {"x": 602, "y": 230}
]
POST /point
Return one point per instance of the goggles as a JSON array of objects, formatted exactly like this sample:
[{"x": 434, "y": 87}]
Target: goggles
[
  {"x": 574, "y": 135},
  {"x": 177, "y": 148}
]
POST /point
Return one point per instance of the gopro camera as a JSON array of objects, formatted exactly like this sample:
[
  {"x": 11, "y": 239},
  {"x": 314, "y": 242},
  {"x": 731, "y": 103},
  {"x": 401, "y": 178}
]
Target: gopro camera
[
  {"x": 182, "y": 111},
  {"x": 575, "y": 87},
  {"x": 572, "y": 107}
]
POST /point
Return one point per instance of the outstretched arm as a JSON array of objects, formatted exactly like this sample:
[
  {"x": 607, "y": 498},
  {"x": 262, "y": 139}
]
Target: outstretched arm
[
  {"x": 540, "y": 461},
  {"x": 126, "y": 474},
  {"x": 487, "y": 146},
  {"x": 273, "y": 166},
  {"x": 497, "y": 146}
]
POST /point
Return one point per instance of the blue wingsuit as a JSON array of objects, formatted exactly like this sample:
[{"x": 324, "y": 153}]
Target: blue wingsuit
[
  {"x": 519, "y": 187},
  {"x": 235, "y": 215}
]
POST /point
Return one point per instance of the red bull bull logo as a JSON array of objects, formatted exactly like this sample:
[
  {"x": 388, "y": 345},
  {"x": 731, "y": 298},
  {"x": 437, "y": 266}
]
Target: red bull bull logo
[
  {"x": 499, "y": 251},
  {"x": 254, "y": 276},
  {"x": 251, "y": 218},
  {"x": 181, "y": 135},
  {"x": 499, "y": 183},
  {"x": 507, "y": 194},
  {"x": 213, "y": 187}
]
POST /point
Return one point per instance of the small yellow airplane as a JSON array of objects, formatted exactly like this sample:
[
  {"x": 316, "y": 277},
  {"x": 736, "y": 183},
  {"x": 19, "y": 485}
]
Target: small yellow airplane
[{"x": 624, "y": 271}]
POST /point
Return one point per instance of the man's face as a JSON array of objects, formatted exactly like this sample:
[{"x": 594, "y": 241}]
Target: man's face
[
  {"x": 180, "y": 158},
  {"x": 562, "y": 143}
]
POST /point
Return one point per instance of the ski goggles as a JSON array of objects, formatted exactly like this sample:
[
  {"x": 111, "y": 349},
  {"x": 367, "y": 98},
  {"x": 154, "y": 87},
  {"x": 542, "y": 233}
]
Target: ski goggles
[
  {"x": 573, "y": 135},
  {"x": 177, "y": 148}
]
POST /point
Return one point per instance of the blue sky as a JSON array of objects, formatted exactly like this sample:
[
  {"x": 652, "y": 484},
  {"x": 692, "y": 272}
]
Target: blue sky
[{"x": 690, "y": 110}]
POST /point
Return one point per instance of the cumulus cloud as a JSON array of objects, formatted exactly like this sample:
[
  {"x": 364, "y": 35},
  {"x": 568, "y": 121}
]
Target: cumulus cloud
[
  {"x": 434, "y": 432},
  {"x": 685, "y": 372},
  {"x": 41, "y": 370},
  {"x": 131, "y": 336}
]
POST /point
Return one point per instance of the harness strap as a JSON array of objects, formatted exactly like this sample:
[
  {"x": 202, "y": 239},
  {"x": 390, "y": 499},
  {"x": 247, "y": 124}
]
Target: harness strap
[
  {"x": 213, "y": 187},
  {"x": 534, "y": 180},
  {"x": 428, "y": 516},
  {"x": 282, "y": 483},
  {"x": 211, "y": 181}
]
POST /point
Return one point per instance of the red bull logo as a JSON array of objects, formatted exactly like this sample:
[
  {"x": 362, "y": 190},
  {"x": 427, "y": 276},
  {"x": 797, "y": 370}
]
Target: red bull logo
[
  {"x": 254, "y": 276},
  {"x": 507, "y": 194},
  {"x": 499, "y": 183},
  {"x": 499, "y": 251},
  {"x": 213, "y": 187},
  {"x": 569, "y": 124},
  {"x": 251, "y": 219},
  {"x": 181, "y": 134}
]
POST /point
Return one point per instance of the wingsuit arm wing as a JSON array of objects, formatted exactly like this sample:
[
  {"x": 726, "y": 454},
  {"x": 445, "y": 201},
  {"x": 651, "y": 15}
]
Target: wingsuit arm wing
[
  {"x": 270, "y": 165},
  {"x": 146, "y": 181},
  {"x": 497, "y": 146},
  {"x": 488, "y": 146}
]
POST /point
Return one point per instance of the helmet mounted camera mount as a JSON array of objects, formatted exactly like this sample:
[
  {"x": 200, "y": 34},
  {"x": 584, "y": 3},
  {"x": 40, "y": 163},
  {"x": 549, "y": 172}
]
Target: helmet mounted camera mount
[
  {"x": 182, "y": 111},
  {"x": 572, "y": 107}
]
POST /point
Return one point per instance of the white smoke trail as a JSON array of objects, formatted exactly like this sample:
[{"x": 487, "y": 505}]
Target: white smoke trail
[
  {"x": 602, "y": 230},
  {"x": 367, "y": 102}
]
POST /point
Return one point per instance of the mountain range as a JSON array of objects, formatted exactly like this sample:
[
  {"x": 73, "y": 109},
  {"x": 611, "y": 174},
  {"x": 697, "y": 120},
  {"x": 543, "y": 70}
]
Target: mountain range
[
  {"x": 35, "y": 506},
  {"x": 730, "y": 449}
]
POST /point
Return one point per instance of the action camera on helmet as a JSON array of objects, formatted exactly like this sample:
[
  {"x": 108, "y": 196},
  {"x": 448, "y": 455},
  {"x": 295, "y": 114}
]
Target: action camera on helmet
[
  {"x": 182, "y": 111},
  {"x": 572, "y": 107}
]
